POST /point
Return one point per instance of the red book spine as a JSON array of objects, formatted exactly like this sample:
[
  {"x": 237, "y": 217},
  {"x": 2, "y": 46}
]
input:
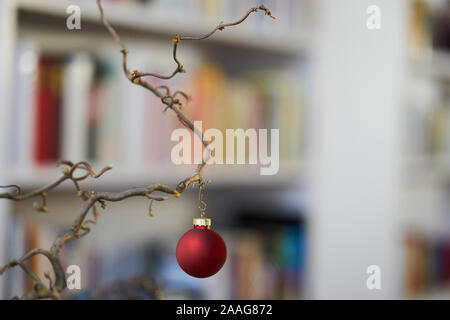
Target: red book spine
[{"x": 48, "y": 111}]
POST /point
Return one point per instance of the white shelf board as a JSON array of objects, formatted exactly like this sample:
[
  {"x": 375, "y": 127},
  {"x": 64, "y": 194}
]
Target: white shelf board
[
  {"x": 439, "y": 294},
  {"x": 427, "y": 169},
  {"x": 134, "y": 18},
  {"x": 122, "y": 178},
  {"x": 437, "y": 66}
]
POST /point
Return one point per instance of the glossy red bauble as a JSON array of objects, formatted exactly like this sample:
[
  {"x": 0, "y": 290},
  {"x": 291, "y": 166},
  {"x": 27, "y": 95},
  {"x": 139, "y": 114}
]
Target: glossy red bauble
[{"x": 201, "y": 252}]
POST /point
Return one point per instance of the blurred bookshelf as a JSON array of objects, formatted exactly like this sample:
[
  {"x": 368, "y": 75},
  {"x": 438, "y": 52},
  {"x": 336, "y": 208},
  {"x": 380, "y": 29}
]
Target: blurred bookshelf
[
  {"x": 426, "y": 205},
  {"x": 70, "y": 100},
  {"x": 66, "y": 78},
  {"x": 266, "y": 258}
]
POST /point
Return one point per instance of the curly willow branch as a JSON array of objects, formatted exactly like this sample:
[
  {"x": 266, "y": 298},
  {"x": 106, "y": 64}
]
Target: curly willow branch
[{"x": 81, "y": 171}]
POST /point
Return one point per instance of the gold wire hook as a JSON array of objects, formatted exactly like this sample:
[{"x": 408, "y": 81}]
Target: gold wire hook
[{"x": 201, "y": 203}]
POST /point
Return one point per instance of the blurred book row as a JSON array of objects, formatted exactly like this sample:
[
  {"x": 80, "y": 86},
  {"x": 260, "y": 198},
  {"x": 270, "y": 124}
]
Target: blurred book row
[
  {"x": 81, "y": 106},
  {"x": 427, "y": 264},
  {"x": 268, "y": 262},
  {"x": 428, "y": 116},
  {"x": 429, "y": 27},
  {"x": 261, "y": 264}
]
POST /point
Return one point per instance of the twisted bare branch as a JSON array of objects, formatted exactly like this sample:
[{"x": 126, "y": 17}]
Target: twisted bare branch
[
  {"x": 177, "y": 40},
  {"x": 80, "y": 171}
]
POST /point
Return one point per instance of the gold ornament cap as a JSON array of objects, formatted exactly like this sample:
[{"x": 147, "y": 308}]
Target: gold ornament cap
[{"x": 202, "y": 222}]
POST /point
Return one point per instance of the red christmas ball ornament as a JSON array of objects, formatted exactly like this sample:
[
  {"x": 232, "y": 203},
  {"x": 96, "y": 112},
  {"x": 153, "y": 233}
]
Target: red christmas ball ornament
[{"x": 201, "y": 252}]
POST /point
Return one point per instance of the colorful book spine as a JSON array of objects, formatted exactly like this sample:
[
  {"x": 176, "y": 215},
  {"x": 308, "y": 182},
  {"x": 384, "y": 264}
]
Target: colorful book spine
[{"x": 48, "y": 111}]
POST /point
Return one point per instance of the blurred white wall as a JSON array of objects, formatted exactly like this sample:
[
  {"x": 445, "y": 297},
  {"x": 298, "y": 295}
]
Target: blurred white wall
[{"x": 355, "y": 149}]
